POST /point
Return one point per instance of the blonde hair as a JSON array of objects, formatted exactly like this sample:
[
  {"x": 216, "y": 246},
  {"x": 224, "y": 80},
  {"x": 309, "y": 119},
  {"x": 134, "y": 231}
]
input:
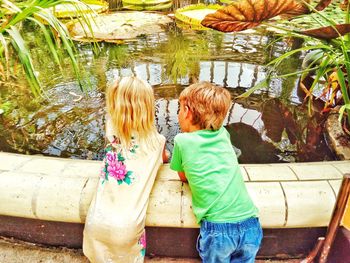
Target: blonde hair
[
  {"x": 208, "y": 103},
  {"x": 130, "y": 105}
]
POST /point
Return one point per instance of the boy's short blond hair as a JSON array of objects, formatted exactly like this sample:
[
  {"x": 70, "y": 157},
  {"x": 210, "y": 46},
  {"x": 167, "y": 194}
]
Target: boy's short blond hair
[{"x": 208, "y": 103}]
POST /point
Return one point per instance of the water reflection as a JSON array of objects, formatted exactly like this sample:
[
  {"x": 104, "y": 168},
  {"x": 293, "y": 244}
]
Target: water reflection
[
  {"x": 62, "y": 125},
  {"x": 77, "y": 131}
]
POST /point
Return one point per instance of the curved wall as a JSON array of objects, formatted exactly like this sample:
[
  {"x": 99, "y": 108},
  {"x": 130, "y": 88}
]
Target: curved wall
[{"x": 288, "y": 195}]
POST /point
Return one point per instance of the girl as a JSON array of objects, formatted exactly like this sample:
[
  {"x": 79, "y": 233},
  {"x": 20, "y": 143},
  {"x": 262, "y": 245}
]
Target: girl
[{"x": 114, "y": 228}]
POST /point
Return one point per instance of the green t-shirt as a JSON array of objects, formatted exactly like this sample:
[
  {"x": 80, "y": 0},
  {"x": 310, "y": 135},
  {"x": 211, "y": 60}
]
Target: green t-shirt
[{"x": 211, "y": 167}]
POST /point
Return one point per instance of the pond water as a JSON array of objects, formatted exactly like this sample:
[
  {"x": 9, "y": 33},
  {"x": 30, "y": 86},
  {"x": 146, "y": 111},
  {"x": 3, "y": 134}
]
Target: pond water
[{"x": 270, "y": 126}]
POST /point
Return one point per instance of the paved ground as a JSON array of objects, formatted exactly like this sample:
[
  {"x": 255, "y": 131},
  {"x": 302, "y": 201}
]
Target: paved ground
[{"x": 12, "y": 251}]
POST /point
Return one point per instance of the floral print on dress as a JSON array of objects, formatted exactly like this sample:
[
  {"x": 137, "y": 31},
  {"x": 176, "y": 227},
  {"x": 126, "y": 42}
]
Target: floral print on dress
[
  {"x": 142, "y": 242},
  {"x": 114, "y": 166}
]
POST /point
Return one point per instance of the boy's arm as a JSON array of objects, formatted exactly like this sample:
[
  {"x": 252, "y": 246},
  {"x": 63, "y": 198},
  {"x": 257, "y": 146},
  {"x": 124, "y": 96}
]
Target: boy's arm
[
  {"x": 165, "y": 155},
  {"x": 176, "y": 162},
  {"x": 182, "y": 176}
]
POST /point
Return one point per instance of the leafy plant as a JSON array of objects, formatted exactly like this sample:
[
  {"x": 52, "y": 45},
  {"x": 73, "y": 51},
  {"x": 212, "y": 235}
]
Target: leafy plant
[
  {"x": 331, "y": 39},
  {"x": 303, "y": 132},
  {"x": 5, "y": 107},
  {"x": 13, "y": 45}
]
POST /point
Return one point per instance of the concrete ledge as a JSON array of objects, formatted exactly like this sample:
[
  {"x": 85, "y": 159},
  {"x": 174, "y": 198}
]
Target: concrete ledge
[{"x": 288, "y": 195}]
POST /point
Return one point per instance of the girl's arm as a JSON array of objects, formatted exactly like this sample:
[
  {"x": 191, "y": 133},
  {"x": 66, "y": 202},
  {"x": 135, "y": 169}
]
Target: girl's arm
[
  {"x": 109, "y": 129},
  {"x": 182, "y": 176}
]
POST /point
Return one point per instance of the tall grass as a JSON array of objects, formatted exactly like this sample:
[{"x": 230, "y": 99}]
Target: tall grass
[{"x": 55, "y": 33}]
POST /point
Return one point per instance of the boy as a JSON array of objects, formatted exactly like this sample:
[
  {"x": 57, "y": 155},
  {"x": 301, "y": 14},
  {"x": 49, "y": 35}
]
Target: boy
[{"x": 203, "y": 155}]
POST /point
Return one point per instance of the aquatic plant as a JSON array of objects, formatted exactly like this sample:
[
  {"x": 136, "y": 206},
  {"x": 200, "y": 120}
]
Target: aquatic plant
[
  {"x": 331, "y": 39},
  {"x": 14, "y": 49},
  {"x": 186, "y": 57}
]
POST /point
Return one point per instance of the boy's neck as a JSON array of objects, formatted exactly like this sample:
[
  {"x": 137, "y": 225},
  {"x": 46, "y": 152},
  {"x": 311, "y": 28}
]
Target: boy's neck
[{"x": 193, "y": 128}]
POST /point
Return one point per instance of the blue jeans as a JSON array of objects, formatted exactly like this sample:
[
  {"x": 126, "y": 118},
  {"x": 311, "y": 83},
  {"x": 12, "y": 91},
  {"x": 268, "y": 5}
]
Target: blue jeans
[{"x": 229, "y": 242}]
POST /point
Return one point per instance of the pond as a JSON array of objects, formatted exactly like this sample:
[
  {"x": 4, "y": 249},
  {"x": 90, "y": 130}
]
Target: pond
[{"x": 270, "y": 126}]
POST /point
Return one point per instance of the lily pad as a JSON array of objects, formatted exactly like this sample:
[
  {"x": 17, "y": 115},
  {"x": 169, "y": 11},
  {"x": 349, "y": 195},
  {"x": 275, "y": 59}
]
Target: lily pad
[
  {"x": 69, "y": 10},
  {"x": 145, "y": 2},
  {"x": 119, "y": 26},
  {"x": 194, "y": 14},
  {"x": 152, "y": 7}
]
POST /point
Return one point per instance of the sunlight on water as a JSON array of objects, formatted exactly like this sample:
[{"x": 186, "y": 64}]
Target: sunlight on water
[{"x": 70, "y": 123}]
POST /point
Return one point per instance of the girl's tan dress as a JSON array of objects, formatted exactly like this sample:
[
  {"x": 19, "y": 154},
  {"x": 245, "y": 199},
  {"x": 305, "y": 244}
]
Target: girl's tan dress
[{"x": 114, "y": 227}]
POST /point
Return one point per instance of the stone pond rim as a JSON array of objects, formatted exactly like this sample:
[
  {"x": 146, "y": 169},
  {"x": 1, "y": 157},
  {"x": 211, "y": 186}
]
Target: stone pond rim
[{"x": 45, "y": 200}]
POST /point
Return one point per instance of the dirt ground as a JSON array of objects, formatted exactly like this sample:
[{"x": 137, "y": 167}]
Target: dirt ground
[{"x": 14, "y": 251}]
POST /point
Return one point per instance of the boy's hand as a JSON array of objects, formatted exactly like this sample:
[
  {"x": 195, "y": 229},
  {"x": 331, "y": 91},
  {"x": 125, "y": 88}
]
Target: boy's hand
[
  {"x": 182, "y": 176},
  {"x": 165, "y": 155}
]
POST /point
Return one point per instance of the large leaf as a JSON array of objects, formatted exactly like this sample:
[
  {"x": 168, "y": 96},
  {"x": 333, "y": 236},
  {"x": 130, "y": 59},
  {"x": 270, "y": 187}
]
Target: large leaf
[
  {"x": 244, "y": 14},
  {"x": 322, "y": 4},
  {"x": 328, "y": 32}
]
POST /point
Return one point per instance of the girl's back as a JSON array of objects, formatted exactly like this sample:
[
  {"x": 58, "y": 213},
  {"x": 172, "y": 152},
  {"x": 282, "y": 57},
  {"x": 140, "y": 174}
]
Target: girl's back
[
  {"x": 114, "y": 227},
  {"x": 116, "y": 218}
]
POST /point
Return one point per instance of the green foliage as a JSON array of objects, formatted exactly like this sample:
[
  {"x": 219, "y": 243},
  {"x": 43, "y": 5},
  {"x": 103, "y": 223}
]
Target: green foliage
[
  {"x": 12, "y": 43},
  {"x": 5, "y": 107},
  {"x": 334, "y": 55},
  {"x": 261, "y": 85},
  {"x": 342, "y": 109}
]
